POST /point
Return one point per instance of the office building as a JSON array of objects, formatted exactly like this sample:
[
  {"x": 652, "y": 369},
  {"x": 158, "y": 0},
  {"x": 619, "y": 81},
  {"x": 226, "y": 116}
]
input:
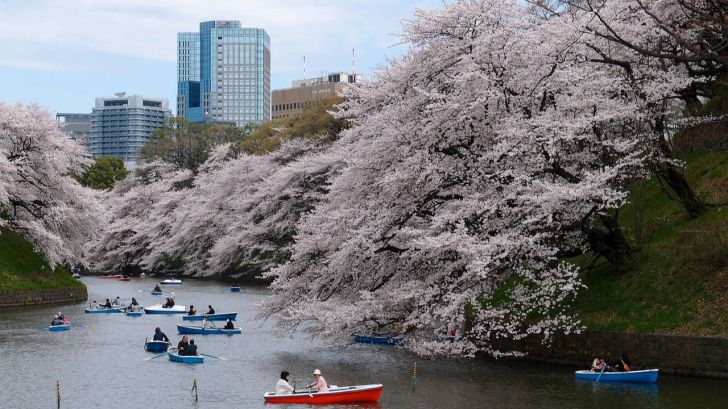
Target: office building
[
  {"x": 76, "y": 126},
  {"x": 223, "y": 74},
  {"x": 304, "y": 93},
  {"x": 121, "y": 125}
]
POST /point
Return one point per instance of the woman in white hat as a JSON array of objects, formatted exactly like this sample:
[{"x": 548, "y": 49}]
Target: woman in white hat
[{"x": 320, "y": 383}]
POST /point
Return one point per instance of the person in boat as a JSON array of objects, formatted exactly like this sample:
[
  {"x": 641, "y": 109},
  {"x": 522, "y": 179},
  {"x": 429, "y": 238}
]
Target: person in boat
[
  {"x": 319, "y": 384},
  {"x": 107, "y": 304},
  {"x": 191, "y": 349},
  {"x": 283, "y": 387},
  {"x": 134, "y": 301},
  {"x": 599, "y": 365},
  {"x": 116, "y": 302},
  {"x": 229, "y": 325},
  {"x": 94, "y": 304},
  {"x": 56, "y": 321},
  {"x": 210, "y": 310},
  {"x": 157, "y": 289},
  {"x": 159, "y": 335},
  {"x": 623, "y": 364},
  {"x": 192, "y": 310},
  {"x": 183, "y": 345}
]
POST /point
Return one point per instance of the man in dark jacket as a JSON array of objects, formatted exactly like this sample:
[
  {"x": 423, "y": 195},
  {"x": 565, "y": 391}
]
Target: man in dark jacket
[
  {"x": 183, "y": 345},
  {"x": 191, "y": 349},
  {"x": 159, "y": 335}
]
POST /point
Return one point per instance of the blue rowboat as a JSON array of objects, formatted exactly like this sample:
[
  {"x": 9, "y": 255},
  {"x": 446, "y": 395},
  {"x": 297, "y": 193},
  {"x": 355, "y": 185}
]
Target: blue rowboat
[
  {"x": 186, "y": 359},
  {"x": 156, "y": 292},
  {"x": 158, "y": 309},
  {"x": 644, "y": 376},
  {"x": 235, "y": 289},
  {"x": 187, "y": 329},
  {"x": 365, "y": 339},
  {"x": 104, "y": 310},
  {"x": 62, "y": 327},
  {"x": 156, "y": 346},
  {"x": 223, "y": 316},
  {"x": 133, "y": 313}
]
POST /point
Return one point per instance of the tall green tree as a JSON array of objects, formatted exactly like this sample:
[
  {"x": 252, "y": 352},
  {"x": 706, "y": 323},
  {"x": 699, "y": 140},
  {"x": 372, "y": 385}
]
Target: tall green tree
[
  {"x": 104, "y": 173},
  {"x": 186, "y": 144}
]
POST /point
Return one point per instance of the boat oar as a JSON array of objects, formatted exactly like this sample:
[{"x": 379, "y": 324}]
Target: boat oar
[
  {"x": 155, "y": 356},
  {"x": 600, "y": 373},
  {"x": 213, "y": 356}
]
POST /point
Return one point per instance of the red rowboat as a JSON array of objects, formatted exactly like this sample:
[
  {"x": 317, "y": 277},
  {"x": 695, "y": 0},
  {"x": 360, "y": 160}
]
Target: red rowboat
[
  {"x": 125, "y": 279},
  {"x": 340, "y": 394},
  {"x": 111, "y": 276}
]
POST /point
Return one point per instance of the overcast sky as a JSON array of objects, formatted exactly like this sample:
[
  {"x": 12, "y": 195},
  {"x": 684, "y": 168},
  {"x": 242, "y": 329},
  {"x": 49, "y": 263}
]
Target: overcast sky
[{"x": 64, "y": 53}]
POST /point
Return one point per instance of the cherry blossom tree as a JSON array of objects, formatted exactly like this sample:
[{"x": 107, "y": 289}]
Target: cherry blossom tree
[
  {"x": 495, "y": 147},
  {"x": 38, "y": 197}
]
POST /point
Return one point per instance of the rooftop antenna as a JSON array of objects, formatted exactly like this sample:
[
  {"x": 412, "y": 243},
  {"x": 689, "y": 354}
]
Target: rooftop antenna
[
  {"x": 304, "y": 70},
  {"x": 353, "y": 65}
]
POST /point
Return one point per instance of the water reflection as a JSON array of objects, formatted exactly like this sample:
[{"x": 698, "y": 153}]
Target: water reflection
[{"x": 103, "y": 365}]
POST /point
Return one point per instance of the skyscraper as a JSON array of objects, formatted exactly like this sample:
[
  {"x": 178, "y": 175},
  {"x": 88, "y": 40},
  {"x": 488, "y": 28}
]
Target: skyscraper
[
  {"x": 223, "y": 74},
  {"x": 121, "y": 125}
]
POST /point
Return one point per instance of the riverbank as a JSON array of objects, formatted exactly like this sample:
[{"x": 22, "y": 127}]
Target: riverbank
[
  {"x": 672, "y": 354},
  {"x": 26, "y": 278}
]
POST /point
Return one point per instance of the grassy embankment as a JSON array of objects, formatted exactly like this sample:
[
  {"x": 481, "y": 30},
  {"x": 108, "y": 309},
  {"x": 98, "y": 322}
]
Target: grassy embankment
[
  {"x": 677, "y": 282},
  {"x": 22, "y": 268}
]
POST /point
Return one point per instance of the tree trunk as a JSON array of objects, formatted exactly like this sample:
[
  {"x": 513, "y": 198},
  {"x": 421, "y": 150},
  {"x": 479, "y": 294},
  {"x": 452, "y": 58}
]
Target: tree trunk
[
  {"x": 609, "y": 241},
  {"x": 676, "y": 179}
]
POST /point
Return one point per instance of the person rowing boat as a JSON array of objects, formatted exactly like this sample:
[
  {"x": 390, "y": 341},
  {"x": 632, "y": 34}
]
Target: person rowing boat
[
  {"x": 159, "y": 335},
  {"x": 319, "y": 384}
]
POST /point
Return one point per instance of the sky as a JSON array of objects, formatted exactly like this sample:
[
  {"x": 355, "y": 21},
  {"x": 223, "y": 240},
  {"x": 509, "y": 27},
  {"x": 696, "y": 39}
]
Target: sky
[{"x": 62, "y": 54}]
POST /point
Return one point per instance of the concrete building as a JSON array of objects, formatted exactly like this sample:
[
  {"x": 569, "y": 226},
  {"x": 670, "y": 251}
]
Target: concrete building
[
  {"x": 223, "y": 74},
  {"x": 304, "y": 93},
  {"x": 76, "y": 126},
  {"x": 121, "y": 125}
]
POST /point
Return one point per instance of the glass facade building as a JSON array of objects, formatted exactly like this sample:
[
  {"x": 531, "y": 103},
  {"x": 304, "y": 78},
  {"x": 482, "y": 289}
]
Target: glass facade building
[
  {"x": 121, "y": 125},
  {"x": 223, "y": 74}
]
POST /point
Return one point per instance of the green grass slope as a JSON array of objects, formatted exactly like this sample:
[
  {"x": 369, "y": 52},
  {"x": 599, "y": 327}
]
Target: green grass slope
[
  {"x": 22, "y": 268},
  {"x": 677, "y": 282}
]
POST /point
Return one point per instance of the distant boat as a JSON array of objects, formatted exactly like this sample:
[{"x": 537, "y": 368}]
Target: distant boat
[
  {"x": 133, "y": 313},
  {"x": 369, "y": 339},
  {"x": 235, "y": 289},
  {"x": 77, "y": 276},
  {"x": 125, "y": 279},
  {"x": 156, "y": 346},
  {"x": 643, "y": 376},
  {"x": 171, "y": 280},
  {"x": 62, "y": 327},
  {"x": 185, "y": 359},
  {"x": 221, "y": 316},
  {"x": 156, "y": 292},
  {"x": 158, "y": 309},
  {"x": 191, "y": 329},
  {"x": 111, "y": 276},
  {"x": 337, "y": 395},
  {"x": 104, "y": 310}
]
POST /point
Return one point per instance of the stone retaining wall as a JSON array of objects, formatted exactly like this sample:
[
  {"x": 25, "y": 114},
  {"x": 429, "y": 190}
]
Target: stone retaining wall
[
  {"x": 43, "y": 296},
  {"x": 672, "y": 354}
]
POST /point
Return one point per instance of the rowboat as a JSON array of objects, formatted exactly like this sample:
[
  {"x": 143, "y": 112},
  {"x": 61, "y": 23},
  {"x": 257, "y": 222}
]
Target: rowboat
[
  {"x": 76, "y": 276},
  {"x": 189, "y": 329},
  {"x": 342, "y": 394},
  {"x": 103, "y": 310},
  {"x": 125, "y": 279},
  {"x": 235, "y": 289},
  {"x": 156, "y": 292},
  {"x": 185, "y": 359},
  {"x": 171, "y": 280},
  {"x": 643, "y": 376},
  {"x": 222, "y": 316},
  {"x": 158, "y": 309},
  {"x": 156, "y": 346},
  {"x": 111, "y": 276},
  {"x": 367, "y": 339},
  {"x": 62, "y": 327},
  {"x": 133, "y": 313}
]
